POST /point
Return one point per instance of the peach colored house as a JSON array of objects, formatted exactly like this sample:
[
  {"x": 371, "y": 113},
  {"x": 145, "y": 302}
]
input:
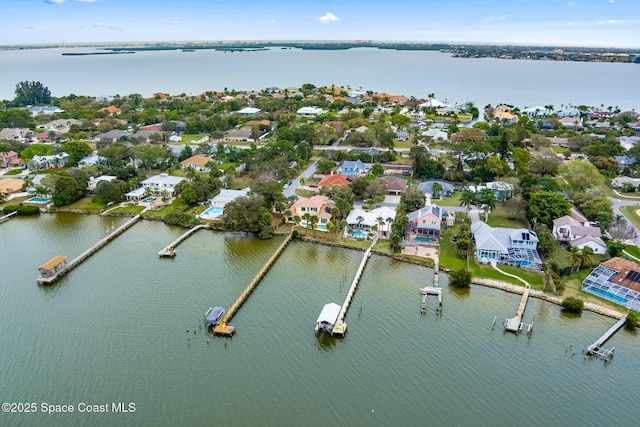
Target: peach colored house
[
  {"x": 198, "y": 162},
  {"x": 319, "y": 206},
  {"x": 334, "y": 179}
]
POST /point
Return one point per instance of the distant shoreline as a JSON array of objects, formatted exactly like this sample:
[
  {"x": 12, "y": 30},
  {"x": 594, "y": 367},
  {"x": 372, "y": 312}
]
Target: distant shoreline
[{"x": 546, "y": 53}]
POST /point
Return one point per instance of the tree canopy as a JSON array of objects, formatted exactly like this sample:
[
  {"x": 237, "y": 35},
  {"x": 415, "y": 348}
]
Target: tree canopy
[{"x": 31, "y": 93}]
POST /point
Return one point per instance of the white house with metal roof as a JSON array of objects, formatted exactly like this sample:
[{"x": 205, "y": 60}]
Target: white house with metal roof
[{"x": 512, "y": 246}]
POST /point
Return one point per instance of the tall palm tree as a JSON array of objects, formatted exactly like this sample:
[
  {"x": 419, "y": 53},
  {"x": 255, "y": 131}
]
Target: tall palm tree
[
  {"x": 585, "y": 258},
  {"x": 380, "y": 222},
  {"x": 297, "y": 220},
  {"x": 487, "y": 198},
  {"x": 307, "y": 220},
  {"x": 360, "y": 220},
  {"x": 314, "y": 221},
  {"x": 437, "y": 188},
  {"x": 467, "y": 199},
  {"x": 574, "y": 257}
]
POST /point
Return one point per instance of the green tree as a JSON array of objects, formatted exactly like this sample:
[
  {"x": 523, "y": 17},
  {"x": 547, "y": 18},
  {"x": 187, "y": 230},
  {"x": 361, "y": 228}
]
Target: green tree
[
  {"x": 265, "y": 224},
  {"x": 487, "y": 198},
  {"x": 377, "y": 169},
  {"x": 460, "y": 278},
  {"x": 325, "y": 166},
  {"x": 572, "y": 304},
  {"x": 467, "y": 199},
  {"x": 437, "y": 188},
  {"x": 31, "y": 93},
  {"x": 413, "y": 199},
  {"x": 64, "y": 189},
  {"x": 76, "y": 150},
  {"x": 149, "y": 155},
  {"x": 545, "y": 206},
  {"x": 585, "y": 257},
  {"x": 580, "y": 175},
  {"x": 111, "y": 191}
]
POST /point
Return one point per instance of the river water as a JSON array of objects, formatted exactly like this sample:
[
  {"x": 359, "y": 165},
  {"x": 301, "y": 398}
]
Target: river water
[
  {"x": 119, "y": 328},
  {"x": 411, "y": 73}
]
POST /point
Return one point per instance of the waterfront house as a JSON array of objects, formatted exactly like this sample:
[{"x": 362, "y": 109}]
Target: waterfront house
[
  {"x": 319, "y": 206},
  {"x": 512, "y": 246},
  {"x": 53, "y": 266},
  {"x": 227, "y": 196},
  {"x": 363, "y": 221},
  {"x": 352, "y": 168},
  {"x": 426, "y": 220},
  {"x": 616, "y": 280},
  {"x": 197, "y": 162},
  {"x": 158, "y": 185}
]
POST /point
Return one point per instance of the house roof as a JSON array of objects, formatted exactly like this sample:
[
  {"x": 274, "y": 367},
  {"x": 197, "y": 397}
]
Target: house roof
[
  {"x": 334, "y": 179},
  {"x": 230, "y": 195},
  {"x": 434, "y": 210},
  {"x": 110, "y": 109},
  {"x": 329, "y": 313},
  {"x": 313, "y": 201},
  {"x": 577, "y": 215},
  {"x": 566, "y": 220},
  {"x": 586, "y": 239},
  {"x": 164, "y": 179},
  {"x": 623, "y": 267},
  {"x": 395, "y": 183},
  {"x": 53, "y": 262},
  {"x": 198, "y": 160},
  {"x": 370, "y": 218},
  {"x": 249, "y": 110}
]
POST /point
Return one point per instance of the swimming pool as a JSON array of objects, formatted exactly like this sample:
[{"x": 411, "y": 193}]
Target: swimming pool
[
  {"x": 360, "y": 234},
  {"x": 213, "y": 212},
  {"x": 149, "y": 200},
  {"x": 424, "y": 239},
  {"x": 38, "y": 200}
]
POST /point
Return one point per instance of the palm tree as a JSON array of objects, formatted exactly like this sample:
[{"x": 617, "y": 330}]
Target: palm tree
[
  {"x": 585, "y": 258},
  {"x": 487, "y": 198},
  {"x": 574, "y": 257},
  {"x": 380, "y": 221},
  {"x": 297, "y": 220},
  {"x": 314, "y": 221},
  {"x": 467, "y": 199},
  {"x": 437, "y": 188},
  {"x": 360, "y": 220},
  {"x": 306, "y": 218},
  {"x": 190, "y": 173}
]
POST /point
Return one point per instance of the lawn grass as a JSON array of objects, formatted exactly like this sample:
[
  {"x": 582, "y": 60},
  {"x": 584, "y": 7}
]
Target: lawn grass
[
  {"x": 189, "y": 138},
  {"x": 403, "y": 144},
  {"x": 453, "y": 200},
  {"x": 630, "y": 213},
  {"x": 633, "y": 250},
  {"x": 572, "y": 285},
  {"x": 305, "y": 193},
  {"x": 14, "y": 202},
  {"x": 13, "y": 172},
  {"x": 87, "y": 204},
  {"x": 499, "y": 218},
  {"x": 129, "y": 208},
  {"x": 560, "y": 256},
  {"x": 172, "y": 207},
  {"x": 607, "y": 191}
]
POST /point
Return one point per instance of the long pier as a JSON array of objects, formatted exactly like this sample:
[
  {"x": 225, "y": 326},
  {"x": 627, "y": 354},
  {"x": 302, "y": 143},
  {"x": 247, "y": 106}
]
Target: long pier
[
  {"x": 223, "y": 327},
  {"x": 340, "y": 327},
  {"x": 595, "y": 348},
  {"x": 86, "y": 254},
  {"x": 7, "y": 217},
  {"x": 515, "y": 323},
  {"x": 170, "y": 251}
]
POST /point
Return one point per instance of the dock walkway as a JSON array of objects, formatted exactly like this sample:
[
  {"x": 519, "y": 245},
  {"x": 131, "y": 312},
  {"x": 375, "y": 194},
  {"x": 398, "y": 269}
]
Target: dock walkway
[
  {"x": 223, "y": 327},
  {"x": 340, "y": 327},
  {"x": 86, "y": 254},
  {"x": 170, "y": 251},
  {"x": 595, "y": 348},
  {"x": 7, "y": 217},
  {"x": 514, "y": 324}
]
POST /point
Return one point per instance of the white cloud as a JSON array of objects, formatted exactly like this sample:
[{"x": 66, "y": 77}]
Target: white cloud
[
  {"x": 174, "y": 22},
  {"x": 30, "y": 27},
  {"x": 612, "y": 1},
  {"x": 54, "y": 1},
  {"x": 611, "y": 21},
  {"x": 328, "y": 17},
  {"x": 271, "y": 21},
  {"x": 571, "y": 3},
  {"x": 489, "y": 19},
  {"x": 503, "y": 17},
  {"x": 84, "y": 1},
  {"x": 102, "y": 25},
  {"x": 570, "y": 24}
]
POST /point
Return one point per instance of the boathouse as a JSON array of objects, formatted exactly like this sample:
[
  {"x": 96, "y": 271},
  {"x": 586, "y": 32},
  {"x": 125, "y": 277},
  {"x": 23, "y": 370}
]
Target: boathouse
[
  {"x": 53, "y": 266},
  {"x": 328, "y": 317}
]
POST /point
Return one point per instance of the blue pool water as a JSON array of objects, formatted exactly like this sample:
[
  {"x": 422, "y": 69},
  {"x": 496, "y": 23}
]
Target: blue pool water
[
  {"x": 608, "y": 295},
  {"x": 38, "y": 200},
  {"x": 424, "y": 239},
  {"x": 214, "y": 210},
  {"x": 359, "y": 233},
  {"x": 149, "y": 200}
]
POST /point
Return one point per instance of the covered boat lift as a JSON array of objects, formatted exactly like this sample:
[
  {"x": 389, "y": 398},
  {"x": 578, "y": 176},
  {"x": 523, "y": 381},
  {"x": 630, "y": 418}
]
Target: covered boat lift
[{"x": 328, "y": 317}]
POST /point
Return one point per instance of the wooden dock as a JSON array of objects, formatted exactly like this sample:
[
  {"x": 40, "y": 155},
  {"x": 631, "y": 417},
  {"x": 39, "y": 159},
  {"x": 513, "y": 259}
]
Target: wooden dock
[
  {"x": 223, "y": 327},
  {"x": 170, "y": 251},
  {"x": 86, "y": 254},
  {"x": 515, "y": 323},
  {"x": 431, "y": 290},
  {"x": 340, "y": 327},
  {"x": 7, "y": 217},
  {"x": 596, "y": 347}
]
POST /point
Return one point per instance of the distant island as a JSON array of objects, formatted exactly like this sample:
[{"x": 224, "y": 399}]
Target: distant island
[
  {"x": 93, "y": 53},
  {"x": 544, "y": 53}
]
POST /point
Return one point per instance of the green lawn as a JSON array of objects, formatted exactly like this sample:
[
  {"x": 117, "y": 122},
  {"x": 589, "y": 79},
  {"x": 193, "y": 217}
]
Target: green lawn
[
  {"x": 175, "y": 204},
  {"x": 88, "y": 204},
  {"x": 130, "y": 208},
  {"x": 572, "y": 288},
  {"x": 630, "y": 213},
  {"x": 499, "y": 218},
  {"x": 453, "y": 200},
  {"x": 189, "y": 138},
  {"x": 607, "y": 191},
  {"x": 305, "y": 193},
  {"x": 633, "y": 250},
  {"x": 13, "y": 172}
]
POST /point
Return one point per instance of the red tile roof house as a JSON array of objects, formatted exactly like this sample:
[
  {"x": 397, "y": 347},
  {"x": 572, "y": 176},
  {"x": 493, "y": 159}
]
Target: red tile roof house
[
  {"x": 198, "y": 162},
  {"x": 319, "y": 206},
  {"x": 9, "y": 159},
  {"x": 334, "y": 179}
]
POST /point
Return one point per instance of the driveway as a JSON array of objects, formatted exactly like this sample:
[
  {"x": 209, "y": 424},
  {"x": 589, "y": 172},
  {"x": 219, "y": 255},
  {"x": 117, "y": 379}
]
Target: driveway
[{"x": 295, "y": 184}]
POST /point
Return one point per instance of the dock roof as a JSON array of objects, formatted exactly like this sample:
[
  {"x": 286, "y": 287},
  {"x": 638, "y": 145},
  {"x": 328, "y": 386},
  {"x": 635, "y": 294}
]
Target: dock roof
[
  {"x": 329, "y": 313},
  {"x": 53, "y": 262}
]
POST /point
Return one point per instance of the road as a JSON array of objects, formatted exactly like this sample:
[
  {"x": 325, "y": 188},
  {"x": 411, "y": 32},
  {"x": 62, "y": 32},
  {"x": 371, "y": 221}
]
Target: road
[
  {"x": 617, "y": 204},
  {"x": 295, "y": 184}
]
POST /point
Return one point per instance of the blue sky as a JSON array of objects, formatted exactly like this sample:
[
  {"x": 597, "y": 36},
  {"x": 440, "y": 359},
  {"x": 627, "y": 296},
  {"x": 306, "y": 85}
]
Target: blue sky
[{"x": 557, "y": 22}]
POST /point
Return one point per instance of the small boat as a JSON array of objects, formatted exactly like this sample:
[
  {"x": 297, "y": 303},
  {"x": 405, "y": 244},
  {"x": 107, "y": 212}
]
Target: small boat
[{"x": 213, "y": 315}]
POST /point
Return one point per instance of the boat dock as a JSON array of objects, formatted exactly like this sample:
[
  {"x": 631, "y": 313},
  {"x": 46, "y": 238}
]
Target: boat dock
[
  {"x": 7, "y": 217},
  {"x": 223, "y": 327},
  {"x": 431, "y": 290},
  {"x": 170, "y": 251},
  {"x": 515, "y": 323},
  {"x": 340, "y": 327},
  {"x": 595, "y": 348},
  {"x": 61, "y": 267}
]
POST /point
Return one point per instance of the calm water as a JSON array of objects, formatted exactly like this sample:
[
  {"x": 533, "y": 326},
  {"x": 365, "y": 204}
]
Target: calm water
[
  {"x": 484, "y": 81},
  {"x": 116, "y": 329}
]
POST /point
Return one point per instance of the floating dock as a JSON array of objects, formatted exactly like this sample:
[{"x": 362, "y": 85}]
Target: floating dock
[
  {"x": 7, "y": 217},
  {"x": 596, "y": 347},
  {"x": 58, "y": 267},
  {"x": 170, "y": 251},
  {"x": 223, "y": 327},
  {"x": 515, "y": 323},
  {"x": 340, "y": 327}
]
